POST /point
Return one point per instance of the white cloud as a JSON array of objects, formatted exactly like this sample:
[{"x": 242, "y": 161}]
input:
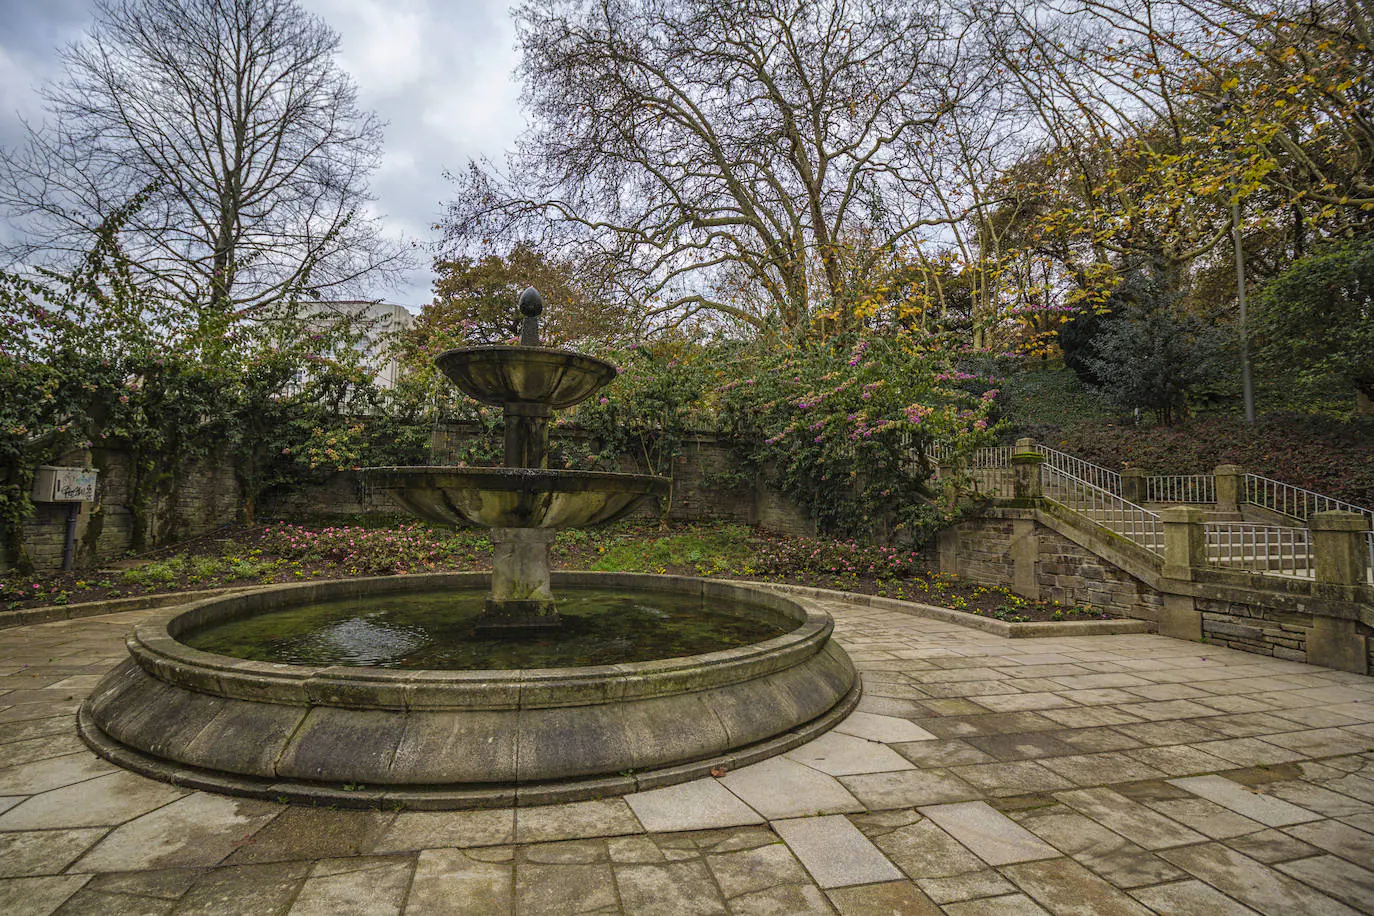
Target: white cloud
[
  {"x": 439, "y": 74},
  {"x": 379, "y": 41}
]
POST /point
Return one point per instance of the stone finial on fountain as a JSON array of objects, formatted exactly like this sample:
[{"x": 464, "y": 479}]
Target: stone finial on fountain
[{"x": 531, "y": 305}]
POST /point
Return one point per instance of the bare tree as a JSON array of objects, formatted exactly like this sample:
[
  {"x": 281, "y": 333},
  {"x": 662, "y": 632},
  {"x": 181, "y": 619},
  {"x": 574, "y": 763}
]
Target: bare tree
[
  {"x": 233, "y": 120},
  {"x": 739, "y": 158}
]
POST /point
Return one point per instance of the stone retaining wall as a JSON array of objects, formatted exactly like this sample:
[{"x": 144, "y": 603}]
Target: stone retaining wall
[
  {"x": 1073, "y": 574},
  {"x": 987, "y": 550},
  {"x": 707, "y": 487},
  {"x": 984, "y": 551},
  {"x": 191, "y": 500},
  {"x": 202, "y": 496},
  {"x": 1036, "y": 552},
  {"x": 1255, "y": 628}
]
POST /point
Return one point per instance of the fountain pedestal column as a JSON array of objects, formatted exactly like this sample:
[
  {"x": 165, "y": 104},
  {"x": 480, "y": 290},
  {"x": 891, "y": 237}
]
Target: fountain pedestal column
[
  {"x": 527, "y": 435},
  {"x": 521, "y": 598}
]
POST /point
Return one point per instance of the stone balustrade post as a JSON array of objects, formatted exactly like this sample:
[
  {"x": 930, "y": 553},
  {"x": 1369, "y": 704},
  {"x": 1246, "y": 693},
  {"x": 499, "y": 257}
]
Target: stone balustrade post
[
  {"x": 948, "y": 473},
  {"x": 1230, "y": 487},
  {"x": 1340, "y": 559},
  {"x": 1025, "y": 468},
  {"x": 1185, "y": 541},
  {"x": 1339, "y": 553},
  {"x": 1133, "y": 488}
]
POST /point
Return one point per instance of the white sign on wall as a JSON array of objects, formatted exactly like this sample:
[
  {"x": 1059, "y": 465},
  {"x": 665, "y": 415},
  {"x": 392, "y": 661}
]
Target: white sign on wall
[{"x": 64, "y": 485}]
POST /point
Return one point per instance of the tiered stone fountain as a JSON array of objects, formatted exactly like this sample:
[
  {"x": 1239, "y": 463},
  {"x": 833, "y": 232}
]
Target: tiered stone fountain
[
  {"x": 462, "y": 689},
  {"x": 524, "y": 503}
]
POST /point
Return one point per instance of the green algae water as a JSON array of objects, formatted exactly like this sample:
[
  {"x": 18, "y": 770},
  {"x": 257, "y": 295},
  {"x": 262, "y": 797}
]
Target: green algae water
[{"x": 436, "y": 630}]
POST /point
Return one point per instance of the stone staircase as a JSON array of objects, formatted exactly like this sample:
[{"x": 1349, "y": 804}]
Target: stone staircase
[{"x": 1251, "y": 522}]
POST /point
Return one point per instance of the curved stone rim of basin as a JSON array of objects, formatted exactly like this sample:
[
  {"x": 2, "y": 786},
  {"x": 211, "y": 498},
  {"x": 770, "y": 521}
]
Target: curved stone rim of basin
[
  {"x": 515, "y": 497},
  {"x": 501, "y": 374},
  {"x": 453, "y": 739}
]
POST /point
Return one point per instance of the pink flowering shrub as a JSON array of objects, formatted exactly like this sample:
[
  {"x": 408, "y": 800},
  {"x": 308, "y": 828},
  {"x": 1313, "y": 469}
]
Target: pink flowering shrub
[
  {"x": 848, "y": 427},
  {"x": 374, "y": 551}
]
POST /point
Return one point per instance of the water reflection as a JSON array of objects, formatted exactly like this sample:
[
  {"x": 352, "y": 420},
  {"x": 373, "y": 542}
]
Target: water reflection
[{"x": 435, "y": 630}]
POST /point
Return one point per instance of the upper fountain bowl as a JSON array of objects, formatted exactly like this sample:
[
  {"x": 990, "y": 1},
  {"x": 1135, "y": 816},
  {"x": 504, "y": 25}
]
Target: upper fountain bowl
[{"x": 537, "y": 375}]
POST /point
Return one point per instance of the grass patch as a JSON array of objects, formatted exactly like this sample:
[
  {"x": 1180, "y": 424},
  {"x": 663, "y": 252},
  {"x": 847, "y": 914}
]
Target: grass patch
[{"x": 709, "y": 551}]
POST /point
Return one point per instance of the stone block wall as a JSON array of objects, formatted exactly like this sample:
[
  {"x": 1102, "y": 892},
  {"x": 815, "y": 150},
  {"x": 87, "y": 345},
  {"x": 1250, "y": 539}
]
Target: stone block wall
[
  {"x": 984, "y": 551},
  {"x": 707, "y": 488},
  {"x": 340, "y": 495},
  {"x": 1073, "y": 574},
  {"x": 1255, "y": 628},
  {"x": 196, "y": 498},
  {"x": 203, "y": 496},
  {"x": 987, "y": 551}
]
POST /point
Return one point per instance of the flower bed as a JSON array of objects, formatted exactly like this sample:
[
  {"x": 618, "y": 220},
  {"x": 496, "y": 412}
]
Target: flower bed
[{"x": 287, "y": 553}]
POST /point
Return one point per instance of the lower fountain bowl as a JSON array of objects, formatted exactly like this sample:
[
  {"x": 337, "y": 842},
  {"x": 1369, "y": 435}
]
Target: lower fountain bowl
[
  {"x": 515, "y": 497},
  {"x": 432, "y": 739}
]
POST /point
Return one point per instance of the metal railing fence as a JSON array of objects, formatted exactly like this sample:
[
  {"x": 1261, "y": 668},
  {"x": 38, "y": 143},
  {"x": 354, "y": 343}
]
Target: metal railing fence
[
  {"x": 1181, "y": 488},
  {"x": 1369, "y": 557},
  {"x": 1296, "y": 502},
  {"x": 1262, "y": 548},
  {"x": 1095, "y": 493}
]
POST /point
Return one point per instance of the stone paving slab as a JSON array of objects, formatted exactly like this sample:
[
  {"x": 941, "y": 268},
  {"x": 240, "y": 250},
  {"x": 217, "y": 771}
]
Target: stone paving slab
[
  {"x": 1272, "y": 812},
  {"x": 835, "y": 852},
  {"x": 781, "y": 787},
  {"x": 887, "y": 729},
  {"x": 897, "y": 898},
  {"x": 1062, "y": 886},
  {"x": 989, "y": 834},
  {"x": 362, "y": 886},
  {"x": 698, "y": 805},
  {"x": 1253, "y": 884},
  {"x": 1147, "y": 774},
  {"x": 1131, "y": 819},
  {"x": 1190, "y": 898},
  {"x": 839, "y": 754}
]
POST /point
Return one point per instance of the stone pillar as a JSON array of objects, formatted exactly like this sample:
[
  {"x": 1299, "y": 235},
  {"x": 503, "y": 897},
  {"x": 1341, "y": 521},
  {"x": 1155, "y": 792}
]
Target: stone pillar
[
  {"x": 948, "y": 472},
  {"x": 1334, "y": 642},
  {"x": 1133, "y": 488},
  {"x": 1339, "y": 549},
  {"x": 1185, "y": 549},
  {"x": 948, "y": 542},
  {"x": 1025, "y": 467},
  {"x": 521, "y": 596},
  {"x": 1185, "y": 541},
  {"x": 1230, "y": 487},
  {"x": 1341, "y": 558},
  {"x": 1025, "y": 557},
  {"x": 1179, "y": 618}
]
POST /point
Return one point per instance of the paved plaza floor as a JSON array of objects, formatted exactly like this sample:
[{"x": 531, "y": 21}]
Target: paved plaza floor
[{"x": 1086, "y": 775}]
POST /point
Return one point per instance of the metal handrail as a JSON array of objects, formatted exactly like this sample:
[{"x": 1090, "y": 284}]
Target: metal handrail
[
  {"x": 1181, "y": 488},
  {"x": 987, "y": 468},
  {"x": 1093, "y": 474},
  {"x": 1296, "y": 502},
  {"x": 1000, "y": 457},
  {"x": 1103, "y": 507}
]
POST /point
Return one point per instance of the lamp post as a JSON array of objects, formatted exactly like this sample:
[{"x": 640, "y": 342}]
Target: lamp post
[{"x": 1246, "y": 384}]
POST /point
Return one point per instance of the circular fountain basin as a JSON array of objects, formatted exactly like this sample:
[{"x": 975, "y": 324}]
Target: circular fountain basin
[
  {"x": 435, "y": 739},
  {"x": 504, "y": 374},
  {"x": 515, "y": 497}
]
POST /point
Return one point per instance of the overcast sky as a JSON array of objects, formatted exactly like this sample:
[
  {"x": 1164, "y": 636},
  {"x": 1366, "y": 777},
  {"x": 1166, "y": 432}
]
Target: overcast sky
[{"x": 437, "y": 71}]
